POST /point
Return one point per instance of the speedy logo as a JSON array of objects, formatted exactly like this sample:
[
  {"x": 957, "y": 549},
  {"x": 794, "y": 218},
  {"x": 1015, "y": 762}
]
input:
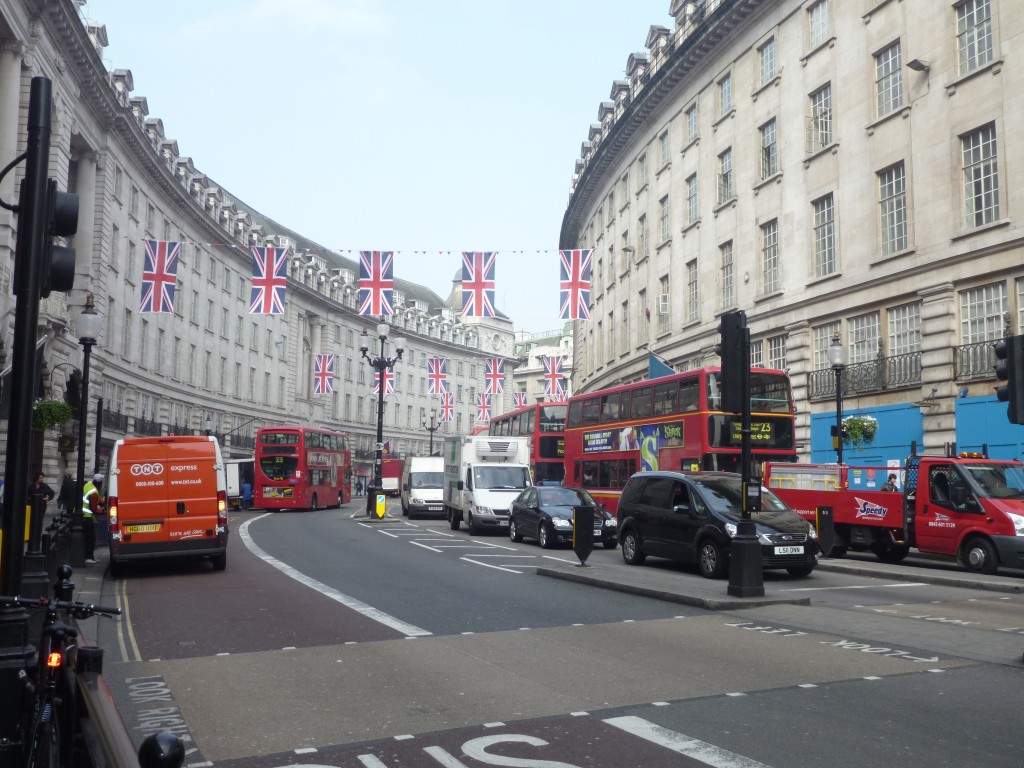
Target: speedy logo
[
  {"x": 867, "y": 509},
  {"x": 144, "y": 470}
]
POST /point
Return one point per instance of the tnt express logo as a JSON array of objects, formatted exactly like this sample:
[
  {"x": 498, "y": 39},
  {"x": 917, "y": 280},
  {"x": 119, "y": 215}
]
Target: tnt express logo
[{"x": 144, "y": 470}]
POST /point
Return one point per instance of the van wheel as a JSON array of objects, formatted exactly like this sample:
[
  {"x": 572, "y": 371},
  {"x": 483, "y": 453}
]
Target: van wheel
[
  {"x": 453, "y": 521},
  {"x": 632, "y": 550},
  {"x": 405, "y": 510},
  {"x": 711, "y": 559},
  {"x": 980, "y": 556},
  {"x": 220, "y": 562},
  {"x": 469, "y": 524}
]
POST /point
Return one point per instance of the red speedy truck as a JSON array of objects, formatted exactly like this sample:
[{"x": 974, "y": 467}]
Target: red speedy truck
[{"x": 967, "y": 506}]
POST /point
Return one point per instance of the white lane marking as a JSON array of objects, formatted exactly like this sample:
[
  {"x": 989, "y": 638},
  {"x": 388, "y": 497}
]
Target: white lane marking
[
  {"x": 683, "y": 744},
  {"x": 432, "y": 549},
  {"x": 409, "y": 630},
  {"x": 856, "y": 586},
  {"x": 488, "y": 565}
]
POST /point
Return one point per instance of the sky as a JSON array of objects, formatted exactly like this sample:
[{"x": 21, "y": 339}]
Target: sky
[{"x": 425, "y": 128}]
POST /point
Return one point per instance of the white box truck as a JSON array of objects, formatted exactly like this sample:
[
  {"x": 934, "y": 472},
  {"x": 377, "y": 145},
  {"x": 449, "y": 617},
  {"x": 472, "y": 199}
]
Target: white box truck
[
  {"x": 483, "y": 474},
  {"x": 423, "y": 486}
]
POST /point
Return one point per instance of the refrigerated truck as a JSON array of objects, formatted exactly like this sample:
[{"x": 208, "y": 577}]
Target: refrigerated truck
[
  {"x": 391, "y": 476},
  {"x": 483, "y": 474}
]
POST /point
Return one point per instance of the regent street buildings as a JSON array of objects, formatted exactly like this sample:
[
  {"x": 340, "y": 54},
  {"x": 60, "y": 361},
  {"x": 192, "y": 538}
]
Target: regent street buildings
[
  {"x": 830, "y": 167},
  {"x": 210, "y": 366}
]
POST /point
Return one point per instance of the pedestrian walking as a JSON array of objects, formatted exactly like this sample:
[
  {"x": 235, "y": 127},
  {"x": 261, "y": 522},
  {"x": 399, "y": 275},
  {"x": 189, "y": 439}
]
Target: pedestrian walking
[
  {"x": 68, "y": 491},
  {"x": 890, "y": 484},
  {"x": 246, "y": 495},
  {"x": 92, "y": 505},
  {"x": 39, "y": 486}
]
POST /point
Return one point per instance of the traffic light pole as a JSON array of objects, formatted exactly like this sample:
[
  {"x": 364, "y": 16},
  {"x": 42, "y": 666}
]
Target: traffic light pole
[
  {"x": 746, "y": 575},
  {"x": 15, "y": 652}
]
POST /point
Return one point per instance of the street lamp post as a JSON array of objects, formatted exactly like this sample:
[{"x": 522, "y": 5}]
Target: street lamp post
[
  {"x": 379, "y": 363},
  {"x": 89, "y": 324},
  {"x": 434, "y": 425},
  {"x": 838, "y": 357}
]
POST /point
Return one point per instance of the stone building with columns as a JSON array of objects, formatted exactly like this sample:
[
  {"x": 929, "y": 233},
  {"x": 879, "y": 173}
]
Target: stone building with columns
[
  {"x": 844, "y": 172},
  {"x": 209, "y": 366}
]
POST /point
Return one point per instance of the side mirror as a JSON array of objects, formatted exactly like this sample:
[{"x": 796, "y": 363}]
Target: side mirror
[
  {"x": 405, "y": 486},
  {"x": 681, "y": 509},
  {"x": 462, "y": 486}
]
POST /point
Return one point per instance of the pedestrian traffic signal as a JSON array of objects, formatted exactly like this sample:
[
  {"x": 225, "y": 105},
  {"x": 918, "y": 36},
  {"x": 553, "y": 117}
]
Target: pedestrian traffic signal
[
  {"x": 73, "y": 392},
  {"x": 734, "y": 350},
  {"x": 1010, "y": 368},
  {"x": 61, "y": 217}
]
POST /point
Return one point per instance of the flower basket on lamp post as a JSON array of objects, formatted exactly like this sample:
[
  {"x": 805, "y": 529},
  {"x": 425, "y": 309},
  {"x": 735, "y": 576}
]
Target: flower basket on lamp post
[{"x": 859, "y": 430}]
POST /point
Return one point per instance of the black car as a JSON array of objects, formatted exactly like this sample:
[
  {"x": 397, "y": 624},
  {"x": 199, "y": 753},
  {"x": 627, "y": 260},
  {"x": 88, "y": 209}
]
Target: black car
[
  {"x": 693, "y": 517},
  {"x": 545, "y": 513}
]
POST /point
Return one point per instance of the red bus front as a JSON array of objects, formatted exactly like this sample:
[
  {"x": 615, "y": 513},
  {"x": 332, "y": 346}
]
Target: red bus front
[{"x": 298, "y": 468}]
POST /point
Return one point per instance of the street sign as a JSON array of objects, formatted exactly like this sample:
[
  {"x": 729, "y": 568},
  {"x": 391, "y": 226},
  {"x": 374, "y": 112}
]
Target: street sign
[
  {"x": 378, "y": 446},
  {"x": 381, "y": 505}
]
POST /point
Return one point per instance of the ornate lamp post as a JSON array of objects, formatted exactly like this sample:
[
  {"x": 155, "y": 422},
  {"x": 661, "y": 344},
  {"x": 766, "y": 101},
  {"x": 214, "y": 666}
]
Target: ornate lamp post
[
  {"x": 432, "y": 426},
  {"x": 379, "y": 363},
  {"x": 838, "y": 358},
  {"x": 88, "y": 324}
]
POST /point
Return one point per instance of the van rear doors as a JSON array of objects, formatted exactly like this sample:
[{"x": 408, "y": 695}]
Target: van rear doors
[{"x": 167, "y": 498}]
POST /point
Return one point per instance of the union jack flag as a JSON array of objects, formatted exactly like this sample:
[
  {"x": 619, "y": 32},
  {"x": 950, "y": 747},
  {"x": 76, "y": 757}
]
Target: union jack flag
[
  {"x": 323, "y": 375},
  {"x": 389, "y": 382},
  {"x": 553, "y": 376},
  {"x": 494, "y": 375},
  {"x": 447, "y": 406},
  {"x": 478, "y": 284},
  {"x": 574, "y": 287},
  {"x": 437, "y": 375},
  {"x": 483, "y": 408},
  {"x": 376, "y": 282},
  {"x": 518, "y": 399},
  {"x": 159, "y": 276},
  {"x": 560, "y": 395},
  {"x": 269, "y": 278}
]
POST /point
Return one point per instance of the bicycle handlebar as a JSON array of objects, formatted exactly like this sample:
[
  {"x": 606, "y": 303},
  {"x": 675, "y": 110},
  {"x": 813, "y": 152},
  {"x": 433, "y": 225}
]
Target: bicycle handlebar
[{"x": 78, "y": 610}]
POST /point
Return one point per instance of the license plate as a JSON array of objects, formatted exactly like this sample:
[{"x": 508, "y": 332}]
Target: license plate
[
  {"x": 789, "y": 550},
  {"x": 503, "y": 523},
  {"x": 433, "y": 509},
  {"x": 150, "y": 528}
]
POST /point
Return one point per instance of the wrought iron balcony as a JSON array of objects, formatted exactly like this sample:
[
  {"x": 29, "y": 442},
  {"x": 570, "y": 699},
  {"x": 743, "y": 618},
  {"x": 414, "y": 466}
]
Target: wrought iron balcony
[
  {"x": 115, "y": 421},
  {"x": 974, "y": 361},
  {"x": 147, "y": 427},
  {"x": 243, "y": 441},
  {"x": 879, "y": 375}
]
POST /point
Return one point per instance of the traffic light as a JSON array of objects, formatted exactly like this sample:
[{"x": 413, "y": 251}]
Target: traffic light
[
  {"x": 734, "y": 350},
  {"x": 58, "y": 267},
  {"x": 1010, "y": 368},
  {"x": 73, "y": 392}
]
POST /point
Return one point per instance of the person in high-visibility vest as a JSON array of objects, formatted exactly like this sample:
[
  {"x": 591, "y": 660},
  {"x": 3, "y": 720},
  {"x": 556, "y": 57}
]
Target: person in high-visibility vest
[{"x": 92, "y": 505}]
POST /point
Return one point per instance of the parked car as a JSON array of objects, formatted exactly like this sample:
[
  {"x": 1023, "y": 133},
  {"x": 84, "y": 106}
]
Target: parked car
[
  {"x": 545, "y": 513},
  {"x": 693, "y": 517}
]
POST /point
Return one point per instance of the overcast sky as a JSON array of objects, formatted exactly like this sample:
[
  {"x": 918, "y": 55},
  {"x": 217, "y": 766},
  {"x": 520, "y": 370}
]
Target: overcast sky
[{"x": 438, "y": 127}]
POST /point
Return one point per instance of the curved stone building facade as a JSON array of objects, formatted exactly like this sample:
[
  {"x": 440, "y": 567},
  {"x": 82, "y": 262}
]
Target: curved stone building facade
[
  {"x": 211, "y": 365},
  {"x": 828, "y": 166}
]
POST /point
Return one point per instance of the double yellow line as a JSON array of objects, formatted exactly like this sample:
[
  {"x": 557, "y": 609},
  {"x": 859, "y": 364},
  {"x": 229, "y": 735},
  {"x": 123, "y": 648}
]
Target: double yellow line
[{"x": 125, "y": 634}]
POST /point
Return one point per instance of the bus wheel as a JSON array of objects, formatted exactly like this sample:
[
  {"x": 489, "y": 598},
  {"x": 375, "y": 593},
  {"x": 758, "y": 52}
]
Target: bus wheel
[
  {"x": 315, "y": 504},
  {"x": 341, "y": 499},
  {"x": 980, "y": 556}
]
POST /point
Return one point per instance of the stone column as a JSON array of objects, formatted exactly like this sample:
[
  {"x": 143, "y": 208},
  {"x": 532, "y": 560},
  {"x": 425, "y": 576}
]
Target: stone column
[
  {"x": 800, "y": 359},
  {"x": 938, "y": 335}
]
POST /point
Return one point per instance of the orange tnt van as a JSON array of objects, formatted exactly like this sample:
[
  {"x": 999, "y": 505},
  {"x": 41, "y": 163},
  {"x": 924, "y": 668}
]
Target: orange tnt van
[{"x": 166, "y": 497}]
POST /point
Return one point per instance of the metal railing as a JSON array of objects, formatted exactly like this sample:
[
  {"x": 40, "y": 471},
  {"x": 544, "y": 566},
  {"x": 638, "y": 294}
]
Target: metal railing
[
  {"x": 115, "y": 421},
  {"x": 879, "y": 375},
  {"x": 147, "y": 427},
  {"x": 974, "y": 361}
]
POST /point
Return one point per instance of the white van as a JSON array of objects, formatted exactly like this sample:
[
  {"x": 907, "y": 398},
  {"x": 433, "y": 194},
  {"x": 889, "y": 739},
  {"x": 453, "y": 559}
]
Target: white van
[{"x": 422, "y": 486}]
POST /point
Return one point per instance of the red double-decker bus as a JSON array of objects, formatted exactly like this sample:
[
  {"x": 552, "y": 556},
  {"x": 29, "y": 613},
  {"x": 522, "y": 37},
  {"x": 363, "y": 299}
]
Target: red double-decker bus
[
  {"x": 674, "y": 422},
  {"x": 301, "y": 468},
  {"x": 544, "y": 424}
]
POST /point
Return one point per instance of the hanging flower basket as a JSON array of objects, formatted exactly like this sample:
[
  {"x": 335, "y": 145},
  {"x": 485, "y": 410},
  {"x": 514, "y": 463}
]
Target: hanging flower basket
[
  {"x": 859, "y": 430},
  {"x": 50, "y": 413}
]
